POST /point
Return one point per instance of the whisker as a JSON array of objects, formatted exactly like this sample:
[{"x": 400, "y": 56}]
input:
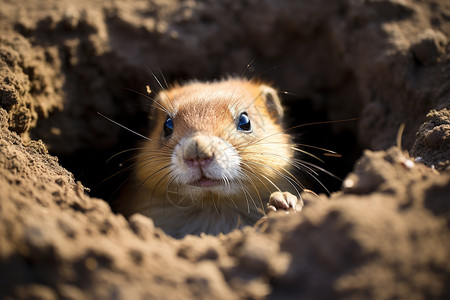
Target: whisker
[
  {"x": 246, "y": 200},
  {"x": 303, "y": 166},
  {"x": 163, "y": 90},
  {"x": 248, "y": 67},
  {"x": 306, "y": 167},
  {"x": 254, "y": 186},
  {"x": 299, "y": 126},
  {"x": 120, "y": 153},
  {"x": 158, "y": 183},
  {"x": 253, "y": 201},
  {"x": 163, "y": 77},
  {"x": 290, "y": 175},
  {"x": 320, "y": 169},
  {"x": 265, "y": 71},
  {"x": 140, "y": 93},
  {"x": 155, "y": 103},
  {"x": 231, "y": 199},
  {"x": 124, "y": 127},
  {"x": 249, "y": 170},
  {"x": 154, "y": 173},
  {"x": 307, "y": 153},
  {"x": 291, "y": 179},
  {"x": 124, "y": 170},
  {"x": 321, "y": 123},
  {"x": 214, "y": 203},
  {"x": 319, "y": 148},
  {"x": 157, "y": 157},
  {"x": 132, "y": 164},
  {"x": 266, "y": 178},
  {"x": 147, "y": 163}
]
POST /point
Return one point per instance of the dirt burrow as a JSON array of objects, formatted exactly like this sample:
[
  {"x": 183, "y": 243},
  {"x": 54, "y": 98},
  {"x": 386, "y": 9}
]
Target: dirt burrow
[{"x": 384, "y": 234}]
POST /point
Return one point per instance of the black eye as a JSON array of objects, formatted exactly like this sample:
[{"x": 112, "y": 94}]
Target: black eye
[
  {"x": 168, "y": 127},
  {"x": 244, "y": 123}
]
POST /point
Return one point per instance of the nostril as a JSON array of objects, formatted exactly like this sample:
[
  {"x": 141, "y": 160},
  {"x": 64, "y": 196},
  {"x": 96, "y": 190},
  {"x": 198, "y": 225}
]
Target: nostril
[
  {"x": 198, "y": 151},
  {"x": 205, "y": 161},
  {"x": 191, "y": 162},
  {"x": 198, "y": 161}
]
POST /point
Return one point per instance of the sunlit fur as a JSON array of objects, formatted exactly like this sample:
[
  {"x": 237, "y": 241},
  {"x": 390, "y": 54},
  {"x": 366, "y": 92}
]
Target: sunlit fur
[{"x": 251, "y": 165}]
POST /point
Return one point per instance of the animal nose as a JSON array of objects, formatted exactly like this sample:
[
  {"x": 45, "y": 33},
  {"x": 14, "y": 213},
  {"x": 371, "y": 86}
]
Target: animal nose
[
  {"x": 195, "y": 162},
  {"x": 198, "y": 151}
]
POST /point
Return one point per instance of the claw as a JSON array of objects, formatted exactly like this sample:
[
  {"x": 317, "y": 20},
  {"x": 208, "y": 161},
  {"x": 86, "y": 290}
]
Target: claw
[{"x": 284, "y": 201}]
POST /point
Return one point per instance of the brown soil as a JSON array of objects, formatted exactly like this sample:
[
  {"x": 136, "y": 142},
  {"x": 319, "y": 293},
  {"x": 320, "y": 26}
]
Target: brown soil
[{"x": 385, "y": 234}]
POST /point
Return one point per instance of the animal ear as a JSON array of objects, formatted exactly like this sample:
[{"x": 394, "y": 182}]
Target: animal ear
[{"x": 272, "y": 102}]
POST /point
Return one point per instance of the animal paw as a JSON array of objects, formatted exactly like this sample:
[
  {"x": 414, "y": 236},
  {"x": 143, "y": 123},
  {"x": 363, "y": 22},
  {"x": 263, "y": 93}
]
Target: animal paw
[{"x": 284, "y": 201}]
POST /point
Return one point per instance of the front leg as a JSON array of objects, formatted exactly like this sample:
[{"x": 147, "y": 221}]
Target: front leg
[{"x": 284, "y": 201}]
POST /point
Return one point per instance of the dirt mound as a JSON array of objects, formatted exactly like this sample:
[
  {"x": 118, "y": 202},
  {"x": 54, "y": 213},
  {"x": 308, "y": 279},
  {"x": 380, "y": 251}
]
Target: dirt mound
[{"x": 384, "y": 235}]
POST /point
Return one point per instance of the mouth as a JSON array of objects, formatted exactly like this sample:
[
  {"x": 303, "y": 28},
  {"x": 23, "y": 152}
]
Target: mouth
[{"x": 205, "y": 182}]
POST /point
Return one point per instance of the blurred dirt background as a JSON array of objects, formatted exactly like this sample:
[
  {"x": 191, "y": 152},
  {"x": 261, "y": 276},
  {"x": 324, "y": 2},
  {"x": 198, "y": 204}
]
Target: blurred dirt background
[{"x": 383, "y": 234}]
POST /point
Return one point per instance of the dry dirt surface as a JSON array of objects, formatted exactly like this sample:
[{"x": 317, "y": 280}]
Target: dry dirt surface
[{"x": 385, "y": 234}]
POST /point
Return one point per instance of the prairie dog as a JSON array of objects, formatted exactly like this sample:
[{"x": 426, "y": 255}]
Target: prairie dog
[{"x": 216, "y": 155}]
